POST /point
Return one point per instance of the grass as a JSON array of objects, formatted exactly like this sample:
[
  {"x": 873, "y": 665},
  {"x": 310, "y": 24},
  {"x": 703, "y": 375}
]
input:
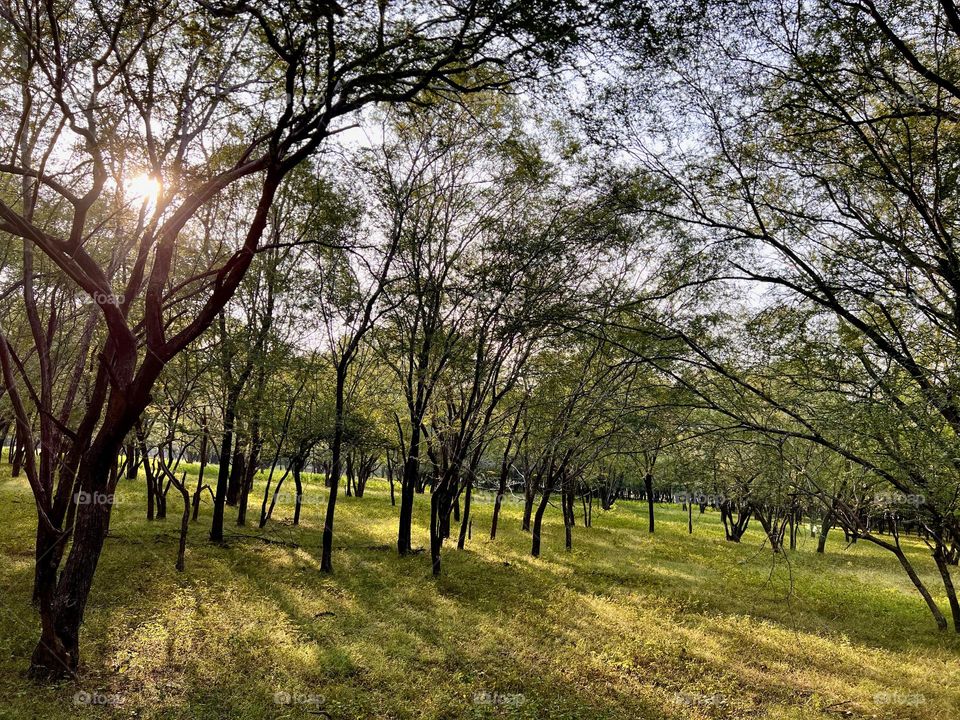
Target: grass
[{"x": 627, "y": 625}]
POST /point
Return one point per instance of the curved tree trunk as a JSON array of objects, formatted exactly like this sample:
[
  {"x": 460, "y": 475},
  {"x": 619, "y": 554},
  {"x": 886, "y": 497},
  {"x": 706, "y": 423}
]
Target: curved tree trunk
[
  {"x": 538, "y": 519},
  {"x": 940, "y": 558},
  {"x": 917, "y": 582}
]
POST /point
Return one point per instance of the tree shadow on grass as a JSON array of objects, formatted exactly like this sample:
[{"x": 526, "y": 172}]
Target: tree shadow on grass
[{"x": 627, "y": 625}]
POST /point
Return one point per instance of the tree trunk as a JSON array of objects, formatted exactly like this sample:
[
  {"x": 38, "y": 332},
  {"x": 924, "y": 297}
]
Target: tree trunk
[
  {"x": 465, "y": 523},
  {"x": 266, "y": 514},
  {"x": 538, "y": 520},
  {"x": 445, "y": 518},
  {"x": 648, "y": 485},
  {"x": 918, "y": 584},
  {"x": 151, "y": 491},
  {"x": 18, "y": 457},
  {"x": 408, "y": 484},
  {"x": 204, "y": 437},
  {"x": 223, "y": 476},
  {"x": 326, "y": 562},
  {"x": 824, "y": 529},
  {"x": 184, "y": 519},
  {"x": 348, "y": 464},
  {"x": 528, "y": 499},
  {"x": 49, "y": 553},
  {"x": 4, "y": 431},
  {"x": 393, "y": 499},
  {"x": 299, "y": 499},
  {"x": 940, "y": 558},
  {"x": 154, "y": 498},
  {"x": 498, "y": 501},
  {"x": 64, "y": 600},
  {"x": 237, "y": 472},
  {"x": 436, "y": 538},
  {"x": 132, "y": 461},
  {"x": 249, "y": 473}
]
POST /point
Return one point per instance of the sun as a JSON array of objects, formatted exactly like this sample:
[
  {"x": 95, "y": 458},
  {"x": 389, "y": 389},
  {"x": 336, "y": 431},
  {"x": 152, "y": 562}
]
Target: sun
[{"x": 143, "y": 188}]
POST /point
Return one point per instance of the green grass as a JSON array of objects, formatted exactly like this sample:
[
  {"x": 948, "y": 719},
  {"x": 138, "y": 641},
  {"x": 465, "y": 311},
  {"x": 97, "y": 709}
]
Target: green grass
[{"x": 627, "y": 625}]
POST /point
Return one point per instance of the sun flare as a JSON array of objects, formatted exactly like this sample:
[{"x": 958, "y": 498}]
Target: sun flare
[{"x": 143, "y": 188}]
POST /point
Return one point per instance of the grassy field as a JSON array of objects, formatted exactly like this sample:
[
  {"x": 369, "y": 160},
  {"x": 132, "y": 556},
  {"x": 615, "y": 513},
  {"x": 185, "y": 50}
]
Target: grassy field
[{"x": 628, "y": 625}]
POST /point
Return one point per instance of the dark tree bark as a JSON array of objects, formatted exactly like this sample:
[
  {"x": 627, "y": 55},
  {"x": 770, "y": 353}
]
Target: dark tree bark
[
  {"x": 569, "y": 518},
  {"x": 411, "y": 472},
  {"x": 940, "y": 557},
  {"x": 18, "y": 457},
  {"x": 267, "y": 512},
  {"x": 648, "y": 486},
  {"x": 529, "y": 495},
  {"x": 465, "y": 523},
  {"x": 326, "y": 560},
  {"x": 774, "y": 522},
  {"x": 390, "y": 479},
  {"x": 824, "y": 529},
  {"x": 223, "y": 476},
  {"x": 365, "y": 470},
  {"x": 133, "y": 461},
  {"x": 349, "y": 473},
  {"x": 250, "y": 472},
  {"x": 298, "y": 501},
  {"x": 238, "y": 470},
  {"x": 735, "y": 527},
  {"x": 204, "y": 439},
  {"x": 4, "y": 430},
  {"x": 538, "y": 518}
]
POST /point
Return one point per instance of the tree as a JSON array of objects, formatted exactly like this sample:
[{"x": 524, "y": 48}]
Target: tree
[
  {"x": 199, "y": 102},
  {"x": 818, "y": 168},
  {"x": 352, "y": 283}
]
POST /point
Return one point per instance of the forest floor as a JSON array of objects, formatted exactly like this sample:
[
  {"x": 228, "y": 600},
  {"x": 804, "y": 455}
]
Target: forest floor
[{"x": 627, "y": 625}]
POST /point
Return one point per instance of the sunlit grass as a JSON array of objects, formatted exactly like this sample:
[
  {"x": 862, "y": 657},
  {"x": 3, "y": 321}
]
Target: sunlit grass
[{"x": 625, "y": 626}]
